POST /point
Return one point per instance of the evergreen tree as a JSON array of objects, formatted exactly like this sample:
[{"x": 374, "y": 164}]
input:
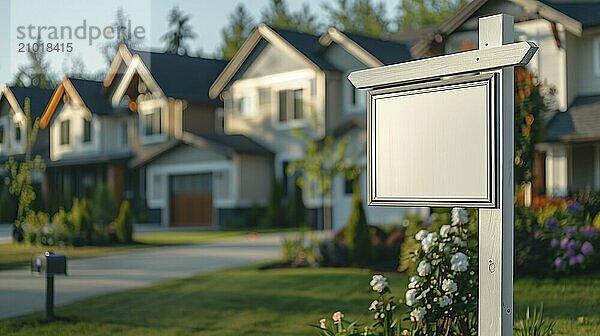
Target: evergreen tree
[
  {"x": 275, "y": 214},
  {"x": 236, "y": 32},
  {"x": 359, "y": 16},
  {"x": 296, "y": 211},
  {"x": 358, "y": 237},
  {"x": 124, "y": 224},
  {"x": 110, "y": 48},
  {"x": 416, "y": 14},
  {"x": 278, "y": 15},
  {"x": 37, "y": 72},
  {"x": 181, "y": 31}
]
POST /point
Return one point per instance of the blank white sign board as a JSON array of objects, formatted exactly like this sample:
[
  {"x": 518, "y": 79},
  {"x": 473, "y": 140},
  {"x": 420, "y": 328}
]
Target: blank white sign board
[{"x": 433, "y": 144}]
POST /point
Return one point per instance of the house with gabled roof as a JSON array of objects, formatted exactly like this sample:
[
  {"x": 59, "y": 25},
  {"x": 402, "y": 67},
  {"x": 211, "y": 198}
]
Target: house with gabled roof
[
  {"x": 568, "y": 35},
  {"x": 283, "y": 81}
]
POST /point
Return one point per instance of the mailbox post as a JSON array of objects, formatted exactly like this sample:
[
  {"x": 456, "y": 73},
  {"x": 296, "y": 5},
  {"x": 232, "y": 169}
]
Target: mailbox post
[
  {"x": 440, "y": 133},
  {"x": 49, "y": 264}
]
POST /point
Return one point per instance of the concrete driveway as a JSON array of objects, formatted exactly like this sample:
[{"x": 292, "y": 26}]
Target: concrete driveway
[{"x": 20, "y": 293}]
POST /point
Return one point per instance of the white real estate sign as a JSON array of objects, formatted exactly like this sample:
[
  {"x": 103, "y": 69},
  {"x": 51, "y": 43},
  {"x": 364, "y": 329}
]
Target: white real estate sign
[{"x": 440, "y": 133}]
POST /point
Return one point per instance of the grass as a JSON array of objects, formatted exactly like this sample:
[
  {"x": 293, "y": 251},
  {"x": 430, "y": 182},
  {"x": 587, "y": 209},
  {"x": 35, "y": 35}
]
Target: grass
[
  {"x": 246, "y": 301},
  {"x": 17, "y": 255}
]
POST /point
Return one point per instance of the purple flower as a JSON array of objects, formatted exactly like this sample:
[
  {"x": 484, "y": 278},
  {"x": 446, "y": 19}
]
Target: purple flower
[
  {"x": 573, "y": 244},
  {"x": 564, "y": 243},
  {"x": 572, "y": 261},
  {"x": 571, "y": 231},
  {"x": 570, "y": 252},
  {"x": 587, "y": 248},
  {"x": 559, "y": 262},
  {"x": 589, "y": 231},
  {"x": 552, "y": 223},
  {"x": 580, "y": 258},
  {"x": 573, "y": 206},
  {"x": 554, "y": 243}
]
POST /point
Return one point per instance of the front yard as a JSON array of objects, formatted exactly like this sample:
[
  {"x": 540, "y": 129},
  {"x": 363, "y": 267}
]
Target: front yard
[{"x": 248, "y": 301}]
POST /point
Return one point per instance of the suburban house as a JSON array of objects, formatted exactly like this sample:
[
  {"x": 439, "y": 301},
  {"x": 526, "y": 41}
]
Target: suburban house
[
  {"x": 568, "y": 35},
  {"x": 283, "y": 81},
  {"x": 14, "y": 132}
]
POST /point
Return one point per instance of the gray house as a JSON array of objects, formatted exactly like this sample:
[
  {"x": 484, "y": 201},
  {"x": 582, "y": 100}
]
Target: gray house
[
  {"x": 568, "y": 34},
  {"x": 281, "y": 81}
]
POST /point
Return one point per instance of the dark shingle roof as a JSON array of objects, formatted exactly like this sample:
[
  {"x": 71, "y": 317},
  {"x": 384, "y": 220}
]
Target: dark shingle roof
[
  {"x": 388, "y": 52},
  {"x": 580, "y": 121},
  {"x": 308, "y": 45},
  {"x": 183, "y": 77},
  {"x": 237, "y": 142},
  {"x": 38, "y": 98},
  {"x": 586, "y": 12},
  {"x": 94, "y": 96}
]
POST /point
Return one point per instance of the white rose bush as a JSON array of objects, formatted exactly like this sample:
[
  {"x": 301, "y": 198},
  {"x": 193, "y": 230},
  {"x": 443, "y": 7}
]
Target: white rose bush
[{"x": 442, "y": 295}]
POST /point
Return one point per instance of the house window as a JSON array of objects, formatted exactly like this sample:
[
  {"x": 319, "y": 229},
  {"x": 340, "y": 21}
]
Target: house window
[
  {"x": 1, "y": 134},
  {"x": 87, "y": 131},
  {"x": 291, "y": 105},
  {"x": 124, "y": 133},
  {"x": 244, "y": 106},
  {"x": 264, "y": 101},
  {"x": 152, "y": 122},
  {"x": 597, "y": 56},
  {"x": 18, "y": 134},
  {"x": 348, "y": 186},
  {"x": 219, "y": 120},
  {"x": 64, "y": 132}
]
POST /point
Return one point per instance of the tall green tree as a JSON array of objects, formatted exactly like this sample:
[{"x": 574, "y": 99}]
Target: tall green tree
[
  {"x": 19, "y": 174},
  {"x": 364, "y": 17},
  {"x": 358, "y": 237},
  {"x": 323, "y": 161},
  {"x": 278, "y": 15},
  {"x": 122, "y": 36},
  {"x": 181, "y": 31},
  {"x": 236, "y": 31},
  {"x": 37, "y": 72},
  {"x": 416, "y": 14}
]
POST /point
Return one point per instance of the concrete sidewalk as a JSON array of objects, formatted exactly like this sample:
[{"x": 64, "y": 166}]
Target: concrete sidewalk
[{"x": 21, "y": 293}]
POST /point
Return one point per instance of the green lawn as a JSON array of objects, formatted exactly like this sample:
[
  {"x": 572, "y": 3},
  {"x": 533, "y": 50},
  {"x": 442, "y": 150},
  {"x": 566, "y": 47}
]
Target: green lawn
[
  {"x": 16, "y": 255},
  {"x": 247, "y": 301}
]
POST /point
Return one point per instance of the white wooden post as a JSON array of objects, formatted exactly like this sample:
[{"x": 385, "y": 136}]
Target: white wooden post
[{"x": 496, "y": 225}]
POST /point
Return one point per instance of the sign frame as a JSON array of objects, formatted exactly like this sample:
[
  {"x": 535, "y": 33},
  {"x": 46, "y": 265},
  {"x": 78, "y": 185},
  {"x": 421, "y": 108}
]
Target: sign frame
[
  {"x": 498, "y": 54},
  {"x": 489, "y": 80}
]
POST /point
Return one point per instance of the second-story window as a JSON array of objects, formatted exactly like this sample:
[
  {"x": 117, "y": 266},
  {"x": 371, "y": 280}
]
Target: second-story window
[
  {"x": 18, "y": 135},
  {"x": 124, "y": 134},
  {"x": 65, "y": 132},
  {"x": 87, "y": 131},
  {"x": 1, "y": 134},
  {"x": 291, "y": 105},
  {"x": 153, "y": 122},
  {"x": 244, "y": 106}
]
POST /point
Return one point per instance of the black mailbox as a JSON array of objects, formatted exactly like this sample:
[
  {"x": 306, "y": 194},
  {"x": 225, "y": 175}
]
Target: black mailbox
[{"x": 49, "y": 264}]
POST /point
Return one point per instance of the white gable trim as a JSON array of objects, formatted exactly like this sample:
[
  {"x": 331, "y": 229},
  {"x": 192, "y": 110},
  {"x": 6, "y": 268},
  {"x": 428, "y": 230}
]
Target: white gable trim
[
  {"x": 334, "y": 35},
  {"x": 136, "y": 66}
]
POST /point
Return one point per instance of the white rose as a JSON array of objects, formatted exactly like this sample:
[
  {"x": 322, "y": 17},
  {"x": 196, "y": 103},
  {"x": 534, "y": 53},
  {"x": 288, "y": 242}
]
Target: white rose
[
  {"x": 421, "y": 235},
  {"x": 418, "y": 314},
  {"x": 411, "y": 297},
  {"x": 445, "y": 301},
  {"x": 424, "y": 268},
  {"x": 459, "y": 262},
  {"x": 445, "y": 230},
  {"x": 429, "y": 241},
  {"x": 379, "y": 283},
  {"x": 374, "y": 305},
  {"x": 448, "y": 285},
  {"x": 459, "y": 216}
]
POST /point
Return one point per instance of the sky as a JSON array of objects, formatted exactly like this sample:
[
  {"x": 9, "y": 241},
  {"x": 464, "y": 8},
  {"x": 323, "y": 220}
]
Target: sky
[{"x": 208, "y": 18}]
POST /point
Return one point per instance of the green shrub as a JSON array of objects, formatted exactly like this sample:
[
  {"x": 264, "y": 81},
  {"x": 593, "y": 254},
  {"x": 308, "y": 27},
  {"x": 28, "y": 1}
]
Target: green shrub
[
  {"x": 7, "y": 208},
  {"x": 36, "y": 230},
  {"x": 296, "y": 211},
  {"x": 358, "y": 237},
  {"x": 80, "y": 219},
  {"x": 534, "y": 324},
  {"x": 124, "y": 224},
  {"x": 104, "y": 205},
  {"x": 299, "y": 251},
  {"x": 275, "y": 214}
]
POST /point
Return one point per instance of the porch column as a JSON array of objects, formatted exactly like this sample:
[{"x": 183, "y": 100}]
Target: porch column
[{"x": 557, "y": 172}]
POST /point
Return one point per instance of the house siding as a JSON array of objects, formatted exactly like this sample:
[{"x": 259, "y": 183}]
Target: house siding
[
  {"x": 588, "y": 81},
  {"x": 256, "y": 172}
]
